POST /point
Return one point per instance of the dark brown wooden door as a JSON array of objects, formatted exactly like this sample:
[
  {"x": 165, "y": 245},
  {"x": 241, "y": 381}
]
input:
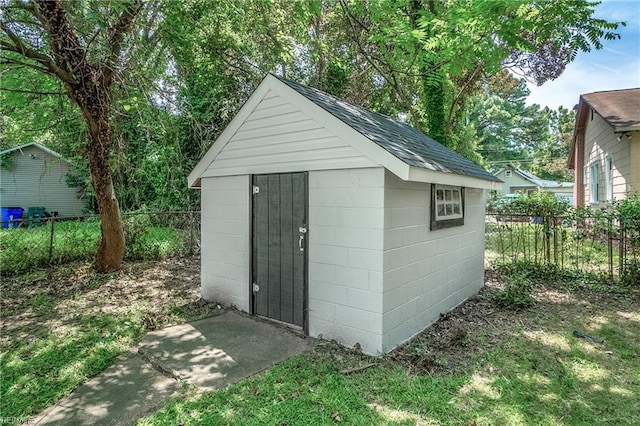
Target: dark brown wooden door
[{"x": 279, "y": 246}]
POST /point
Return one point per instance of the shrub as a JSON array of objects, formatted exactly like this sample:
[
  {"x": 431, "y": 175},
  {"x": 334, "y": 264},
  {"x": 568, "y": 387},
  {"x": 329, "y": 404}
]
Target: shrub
[
  {"x": 517, "y": 293},
  {"x": 146, "y": 241}
]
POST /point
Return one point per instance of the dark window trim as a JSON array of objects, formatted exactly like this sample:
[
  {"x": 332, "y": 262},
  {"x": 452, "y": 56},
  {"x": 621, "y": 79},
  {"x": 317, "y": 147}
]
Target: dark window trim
[{"x": 446, "y": 223}]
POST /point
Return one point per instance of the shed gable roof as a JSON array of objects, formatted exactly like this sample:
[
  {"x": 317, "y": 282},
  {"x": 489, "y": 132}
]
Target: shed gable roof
[
  {"x": 403, "y": 141},
  {"x": 396, "y": 146}
]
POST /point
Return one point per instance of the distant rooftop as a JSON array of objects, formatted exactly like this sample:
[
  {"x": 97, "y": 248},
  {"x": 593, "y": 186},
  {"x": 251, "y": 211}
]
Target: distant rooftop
[{"x": 543, "y": 183}]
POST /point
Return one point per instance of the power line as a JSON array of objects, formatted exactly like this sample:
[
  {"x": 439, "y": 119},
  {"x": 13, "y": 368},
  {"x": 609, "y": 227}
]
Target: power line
[{"x": 524, "y": 160}]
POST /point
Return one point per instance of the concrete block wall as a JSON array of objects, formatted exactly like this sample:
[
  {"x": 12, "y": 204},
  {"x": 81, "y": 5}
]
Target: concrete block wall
[
  {"x": 425, "y": 272},
  {"x": 346, "y": 220},
  {"x": 226, "y": 240}
]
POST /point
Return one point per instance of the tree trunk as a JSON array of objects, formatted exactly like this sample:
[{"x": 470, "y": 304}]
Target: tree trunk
[
  {"x": 111, "y": 244},
  {"x": 88, "y": 84},
  {"x": 95, "y": 104}
]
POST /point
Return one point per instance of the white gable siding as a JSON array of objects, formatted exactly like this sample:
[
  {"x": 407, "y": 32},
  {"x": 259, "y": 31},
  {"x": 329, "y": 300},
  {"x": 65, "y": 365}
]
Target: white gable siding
[
  {"x": 37, "y": 178},
  {"x": 278, "y": 137},
  {"x": 599, "y": 142},
  {"x": 426, "y": 273}
]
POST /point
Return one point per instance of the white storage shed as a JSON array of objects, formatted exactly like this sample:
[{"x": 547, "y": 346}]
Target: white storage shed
[{"x": 338, "y": 220}]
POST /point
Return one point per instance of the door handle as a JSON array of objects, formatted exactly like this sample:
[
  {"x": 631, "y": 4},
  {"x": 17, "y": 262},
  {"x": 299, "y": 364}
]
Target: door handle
[{"x": 300, "y": 240}]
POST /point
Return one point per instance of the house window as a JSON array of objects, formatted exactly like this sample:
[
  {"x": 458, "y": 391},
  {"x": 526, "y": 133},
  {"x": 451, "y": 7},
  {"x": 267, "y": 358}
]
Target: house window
[
  {"x": 594, "y": 182},
  {"x": 507, "y": 173},
  {"x": 608, "y": 177},
  {"x": 447, "y": 206}
]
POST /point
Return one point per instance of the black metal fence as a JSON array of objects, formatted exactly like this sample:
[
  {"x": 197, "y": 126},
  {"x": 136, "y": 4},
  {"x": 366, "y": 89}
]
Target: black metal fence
[
  {"x": 30, "y": 243},
  {"x": 593, "y": 244}
]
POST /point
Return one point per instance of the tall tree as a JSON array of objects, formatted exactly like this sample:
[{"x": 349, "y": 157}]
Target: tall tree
[
  {"x": 550, "y": 156},
  {"x": 448, "y": 46},
  {"x": 81, "y": 44}
]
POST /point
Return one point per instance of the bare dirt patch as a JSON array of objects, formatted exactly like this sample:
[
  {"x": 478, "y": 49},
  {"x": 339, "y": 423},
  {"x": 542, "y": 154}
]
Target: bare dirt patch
[
  {"x": 462, "y": 336},
  {"x": 164, "y": 292}
]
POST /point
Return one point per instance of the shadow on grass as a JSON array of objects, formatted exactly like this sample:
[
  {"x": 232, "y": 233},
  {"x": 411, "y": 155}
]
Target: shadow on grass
[
  {"x": 64, "y": 325},
  {"x": 538, "y": 373},
  {"x": 39, "y": 371}
]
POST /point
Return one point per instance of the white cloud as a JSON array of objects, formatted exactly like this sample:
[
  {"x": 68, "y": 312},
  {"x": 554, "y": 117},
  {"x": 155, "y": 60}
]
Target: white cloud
[
  {"x": 616, "y": 66},
  {"x": 585, "y": 78}
]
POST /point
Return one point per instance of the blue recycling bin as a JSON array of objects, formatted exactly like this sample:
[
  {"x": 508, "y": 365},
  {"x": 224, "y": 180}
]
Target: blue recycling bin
[{"x": 11, "y": 216}]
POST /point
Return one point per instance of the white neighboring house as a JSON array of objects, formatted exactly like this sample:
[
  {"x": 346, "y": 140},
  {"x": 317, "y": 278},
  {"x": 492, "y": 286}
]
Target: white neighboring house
[
  {"x": 518, "y": 181},
  {"x": 338, "y": 220},
  {"x": 33, "y": 175}
]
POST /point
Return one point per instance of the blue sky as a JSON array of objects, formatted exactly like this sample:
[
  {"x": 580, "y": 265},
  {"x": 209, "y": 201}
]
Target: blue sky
[{"x": 616, "y": 66}]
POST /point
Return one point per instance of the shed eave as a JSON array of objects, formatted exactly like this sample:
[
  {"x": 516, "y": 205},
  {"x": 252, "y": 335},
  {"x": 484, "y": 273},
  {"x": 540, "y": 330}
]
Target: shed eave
[{"x": 418, "y": 174}]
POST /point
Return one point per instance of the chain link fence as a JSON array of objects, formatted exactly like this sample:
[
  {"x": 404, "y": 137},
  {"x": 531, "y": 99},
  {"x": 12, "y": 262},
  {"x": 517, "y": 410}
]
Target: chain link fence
[{"x": 26, "y": 244}]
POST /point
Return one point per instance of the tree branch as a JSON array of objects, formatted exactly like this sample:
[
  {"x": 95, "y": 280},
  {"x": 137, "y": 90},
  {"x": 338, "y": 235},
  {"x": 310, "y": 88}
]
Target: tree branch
[
  {"x": 462, "y": 91},
  {"x": 26, "y": 64},
  {"x": 32, "y": 92},
  {"x": 116, "y": 37},
  {"x": 63, "y": 40},
  {"x": 20, "y": 48},
  {"x": 390, "y": 78}
]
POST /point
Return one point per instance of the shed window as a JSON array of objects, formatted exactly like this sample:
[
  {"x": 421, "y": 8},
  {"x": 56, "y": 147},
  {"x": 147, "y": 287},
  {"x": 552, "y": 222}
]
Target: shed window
[
  {"x": 507, "y": 173},
  {"x": 447, "y": 206}
]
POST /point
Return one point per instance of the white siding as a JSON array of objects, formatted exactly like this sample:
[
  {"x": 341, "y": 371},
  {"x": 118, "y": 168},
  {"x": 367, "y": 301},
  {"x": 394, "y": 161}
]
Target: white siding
[
  {"x": 38, "y": 179},
  {"x": 425, "y": 272},
  {"x": 346, "y": 219},
  {"x": 599, "y": 142},
  {"x": 278, "y": 137},
  {"x": 226, "y": 240}
]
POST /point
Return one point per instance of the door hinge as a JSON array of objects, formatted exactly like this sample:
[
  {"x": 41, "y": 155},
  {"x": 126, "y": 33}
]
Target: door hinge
[
  {"x": 256, "y": 288},
  {"x": 256, "y": 189}
]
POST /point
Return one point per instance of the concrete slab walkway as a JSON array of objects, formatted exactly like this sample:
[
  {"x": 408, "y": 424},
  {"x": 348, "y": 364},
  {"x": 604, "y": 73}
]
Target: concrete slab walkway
[{"x": 211, "y": 354}]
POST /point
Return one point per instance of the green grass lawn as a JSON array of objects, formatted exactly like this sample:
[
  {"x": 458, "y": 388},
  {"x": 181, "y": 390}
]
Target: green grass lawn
[
  {"x": 512, "y": 368},
  {"x": 25, "y": 249},
  {"x": 481, "y": 364},
  {"x": 63, "y": 326}
]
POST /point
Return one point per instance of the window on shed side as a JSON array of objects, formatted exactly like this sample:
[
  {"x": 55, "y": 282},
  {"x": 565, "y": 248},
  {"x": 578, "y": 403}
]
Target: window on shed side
[
  {"x": 447, "y": 206},
  {"x": 507, "y": 173},
  {"x": 594, "y": 182}
]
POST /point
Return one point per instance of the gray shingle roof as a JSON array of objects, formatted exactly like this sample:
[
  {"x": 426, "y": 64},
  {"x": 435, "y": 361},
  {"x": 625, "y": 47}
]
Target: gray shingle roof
[
  {"x": 542, "y": 182},
  {"x": 403, "y": 141}
]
